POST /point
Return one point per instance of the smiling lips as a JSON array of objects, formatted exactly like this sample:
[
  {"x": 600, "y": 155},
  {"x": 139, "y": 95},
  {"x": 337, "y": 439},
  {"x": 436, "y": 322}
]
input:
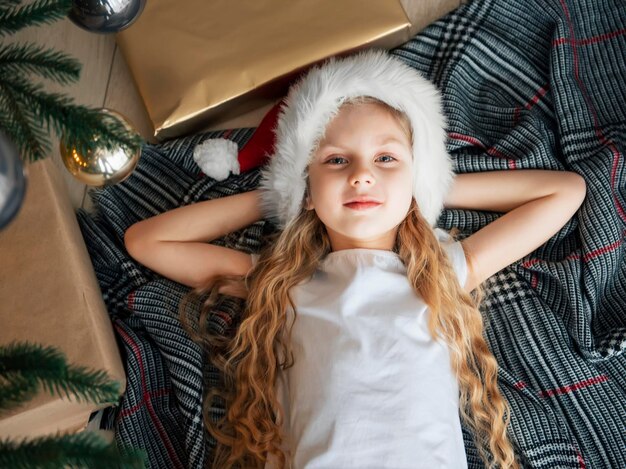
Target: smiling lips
[{"x": 362, "y": 203}]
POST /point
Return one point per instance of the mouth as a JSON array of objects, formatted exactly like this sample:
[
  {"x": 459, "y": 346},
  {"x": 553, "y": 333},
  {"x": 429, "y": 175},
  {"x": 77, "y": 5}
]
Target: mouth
[{"x": 362, "y": 205}]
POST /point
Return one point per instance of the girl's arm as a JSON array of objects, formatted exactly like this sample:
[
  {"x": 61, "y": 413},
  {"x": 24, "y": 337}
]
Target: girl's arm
[
  {"x": 538, "y": 204},
  {"x": 175, "y": 243}
]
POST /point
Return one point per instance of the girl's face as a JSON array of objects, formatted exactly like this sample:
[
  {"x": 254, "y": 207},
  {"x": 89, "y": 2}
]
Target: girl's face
[{"x": 365, "y": 152}]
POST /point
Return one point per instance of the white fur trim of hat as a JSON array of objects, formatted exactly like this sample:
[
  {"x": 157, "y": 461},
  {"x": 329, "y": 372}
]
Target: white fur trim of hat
[{"x": 314, "y": 100}]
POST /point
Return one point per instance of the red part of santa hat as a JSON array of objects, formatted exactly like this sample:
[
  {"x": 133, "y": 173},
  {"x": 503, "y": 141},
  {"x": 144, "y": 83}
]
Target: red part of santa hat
[{"x": 219, "y": 157}]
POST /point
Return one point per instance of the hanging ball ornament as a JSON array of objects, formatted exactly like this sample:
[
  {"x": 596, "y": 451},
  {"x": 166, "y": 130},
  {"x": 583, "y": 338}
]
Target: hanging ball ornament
[
  {"x": 101, "y": 167},
  {"x": 13, "y": 181},
  {"x": 105, "y": 16}
]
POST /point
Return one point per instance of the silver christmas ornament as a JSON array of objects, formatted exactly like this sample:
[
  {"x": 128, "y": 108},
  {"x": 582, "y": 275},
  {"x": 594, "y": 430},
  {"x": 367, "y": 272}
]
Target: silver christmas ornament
[
  {"x": 105, "y": 16},
  {"x": 13, "y": 181}
]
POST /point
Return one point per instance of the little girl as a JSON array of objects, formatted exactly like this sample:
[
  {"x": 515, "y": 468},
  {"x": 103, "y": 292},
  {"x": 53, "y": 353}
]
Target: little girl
[{"x": 359, "y": 345}]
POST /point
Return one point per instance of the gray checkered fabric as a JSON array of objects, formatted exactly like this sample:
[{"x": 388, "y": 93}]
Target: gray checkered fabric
[{"x": 533, "y": 84}]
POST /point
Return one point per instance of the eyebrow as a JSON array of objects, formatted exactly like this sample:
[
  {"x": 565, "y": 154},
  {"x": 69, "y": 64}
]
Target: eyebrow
[{"x": 384, "y": 141}]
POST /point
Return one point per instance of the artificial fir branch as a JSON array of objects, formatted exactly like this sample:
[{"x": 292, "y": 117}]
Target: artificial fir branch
[
  {"x": 84, "y": 449},
  {"x": 14, "y": 18},
  {"x": 21, "y": 362},
  {"x": 30, "y": 139},
  {"x": 16, "y": 391},
  {"x": 21, "y": 60},
  {"x": 9, "y": 3},
  {"x": 22, "y": 366}
]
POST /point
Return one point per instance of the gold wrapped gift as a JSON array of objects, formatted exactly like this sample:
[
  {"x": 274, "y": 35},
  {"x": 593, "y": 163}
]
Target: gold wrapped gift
[{"x": 196, "y": 63}]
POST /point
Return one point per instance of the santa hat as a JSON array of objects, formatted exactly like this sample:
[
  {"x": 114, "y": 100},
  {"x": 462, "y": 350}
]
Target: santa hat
[{"x": 314, "y": 100}]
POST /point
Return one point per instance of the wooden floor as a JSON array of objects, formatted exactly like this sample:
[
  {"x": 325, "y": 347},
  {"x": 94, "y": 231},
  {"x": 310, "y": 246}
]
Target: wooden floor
[{"x": 106, "y": 81}]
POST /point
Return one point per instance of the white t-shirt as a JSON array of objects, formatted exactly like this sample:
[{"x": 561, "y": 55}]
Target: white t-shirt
[{"x": 369, "y": 387}]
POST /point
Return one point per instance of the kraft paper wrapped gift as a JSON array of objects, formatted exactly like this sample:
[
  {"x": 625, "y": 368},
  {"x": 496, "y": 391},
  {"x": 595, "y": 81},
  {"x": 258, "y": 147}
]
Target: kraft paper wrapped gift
[
  {"x": 49, "y": 295},
  {"x": 199, "y": 63}
]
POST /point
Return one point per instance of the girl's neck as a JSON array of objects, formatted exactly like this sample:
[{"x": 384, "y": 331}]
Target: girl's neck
[{"x": 382, "y": 242}]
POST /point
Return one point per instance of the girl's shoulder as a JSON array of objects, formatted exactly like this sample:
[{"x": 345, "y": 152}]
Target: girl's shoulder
[{"x": 455, "y": 252}]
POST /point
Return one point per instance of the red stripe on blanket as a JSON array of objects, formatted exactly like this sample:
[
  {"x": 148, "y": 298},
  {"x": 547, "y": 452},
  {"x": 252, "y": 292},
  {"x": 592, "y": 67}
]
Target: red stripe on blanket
[
  {"x": 131, "y": 300},
  {"x": 146, "y": 398},
  {"x": 603, "y": 250},
  {"x": 534, "y": 100},
  {"x": 467, "y": 138},
  {"x": 574, "y": 387},
  {"x": 225, "y": 317},
  {"x": 520, "y": 385},
  {"x": 591, "y": 108},
  {"x": 491, "y": 151},
  {"x": 586, "y": 258},
  {"x": 135, "y": 408},
  {"x": 589, "y": 40}
]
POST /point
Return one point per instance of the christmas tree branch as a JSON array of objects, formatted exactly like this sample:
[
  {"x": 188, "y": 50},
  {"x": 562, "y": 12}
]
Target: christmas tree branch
[
  {"x": 24, "y": 361},
  {"x": 31, "y": 141},
  {"x": 40, "y": 11},
  {"x": 9, "y": 3},
  {"x": 24, "y": 59},
  {"x": 16, "y": 391},
  {"x": 85, "y": 449}
]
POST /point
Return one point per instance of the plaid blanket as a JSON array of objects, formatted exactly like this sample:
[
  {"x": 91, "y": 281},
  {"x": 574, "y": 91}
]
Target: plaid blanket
[{"x": 534, "y": 84}]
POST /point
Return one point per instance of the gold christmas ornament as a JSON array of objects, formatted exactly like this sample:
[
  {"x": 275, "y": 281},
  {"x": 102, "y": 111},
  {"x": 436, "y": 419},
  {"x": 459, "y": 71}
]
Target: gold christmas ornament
[{"x": 101, "y": 167}]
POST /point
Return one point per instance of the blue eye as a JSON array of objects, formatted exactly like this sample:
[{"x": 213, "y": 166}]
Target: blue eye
[{"x": 334, "y": 158}]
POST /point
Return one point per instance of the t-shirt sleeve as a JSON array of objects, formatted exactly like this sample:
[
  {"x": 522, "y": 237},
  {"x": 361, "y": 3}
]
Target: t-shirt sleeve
[{"x": 456, "y": 254}]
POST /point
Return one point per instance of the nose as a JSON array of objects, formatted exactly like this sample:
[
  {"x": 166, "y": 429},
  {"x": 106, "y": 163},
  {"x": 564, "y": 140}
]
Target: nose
[{"x": 361, "y": 174}]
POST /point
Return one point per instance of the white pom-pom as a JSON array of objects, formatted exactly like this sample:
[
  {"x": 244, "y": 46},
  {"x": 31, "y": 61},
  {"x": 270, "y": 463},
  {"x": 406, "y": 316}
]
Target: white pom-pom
[{"x": 217, "y": 157}]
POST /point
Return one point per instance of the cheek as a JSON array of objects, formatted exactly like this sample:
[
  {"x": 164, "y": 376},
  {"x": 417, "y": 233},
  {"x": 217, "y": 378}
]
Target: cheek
[
  {"x": 316, "y": 188},
  {"x": 322, "y": 184},
  {"x": 404, "y": 188},
  {"x": 403, "y": 178}
]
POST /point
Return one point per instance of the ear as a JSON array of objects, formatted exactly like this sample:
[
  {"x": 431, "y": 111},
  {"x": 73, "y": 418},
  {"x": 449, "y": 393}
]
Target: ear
[{"x": 308, "y": 203}]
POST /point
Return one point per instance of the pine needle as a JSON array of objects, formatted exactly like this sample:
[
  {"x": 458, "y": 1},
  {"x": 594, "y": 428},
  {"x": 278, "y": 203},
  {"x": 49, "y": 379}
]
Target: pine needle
[
  {"x": 16, "y": 391},
  {"x": 25, "y": 362},
  {"x": 8, "y": 3},
  {"x": 14, "y": 18},
  {"x": 31, "y": 141},
  {"x": 25, "y": 59},
  {"x": 85, "y": 449}
]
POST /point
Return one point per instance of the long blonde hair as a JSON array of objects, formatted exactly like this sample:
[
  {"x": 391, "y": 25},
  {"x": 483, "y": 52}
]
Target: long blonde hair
[{"x": 249, "y": 361}]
